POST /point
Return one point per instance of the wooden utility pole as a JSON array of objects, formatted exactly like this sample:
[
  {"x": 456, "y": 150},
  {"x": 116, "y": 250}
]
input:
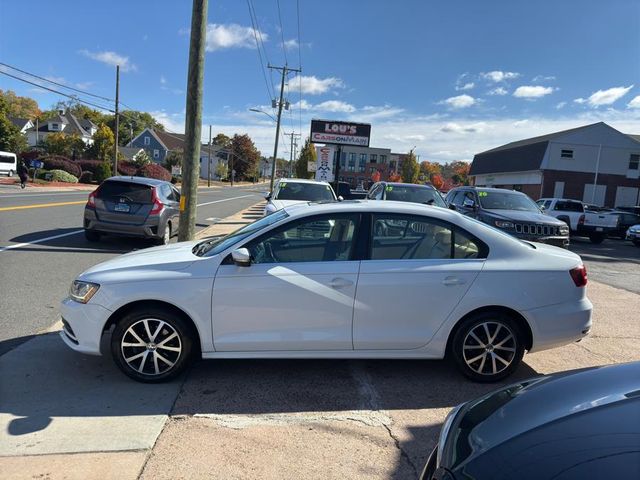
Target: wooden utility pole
[
  {"x": 115, "y": 147},
  {"x": 193, "y": 122},
  {"x": 291, "y": 157},
  {"x": 284, "y": 71}
]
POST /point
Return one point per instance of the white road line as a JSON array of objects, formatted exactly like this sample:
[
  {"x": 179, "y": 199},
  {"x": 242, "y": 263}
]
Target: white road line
[
  {"x": 18, "y": 245},
  {"x": 52, "y": 194},
  {"x": 224, "y": 200}
]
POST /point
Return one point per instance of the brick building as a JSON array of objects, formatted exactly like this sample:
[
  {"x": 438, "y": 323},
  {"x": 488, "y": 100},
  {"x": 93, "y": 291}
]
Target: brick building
[
  {"x": 358, "y": 164},
  {"x": 595, "y": 164}
]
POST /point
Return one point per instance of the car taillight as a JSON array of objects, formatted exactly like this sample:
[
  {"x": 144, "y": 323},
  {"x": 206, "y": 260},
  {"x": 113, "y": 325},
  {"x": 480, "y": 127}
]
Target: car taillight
[
  {"x": 157, "y": 204},
  {"x": 581, "y": 220},
  {"x": 91, "y": 201},
  {"x": 579, "y": 275}
]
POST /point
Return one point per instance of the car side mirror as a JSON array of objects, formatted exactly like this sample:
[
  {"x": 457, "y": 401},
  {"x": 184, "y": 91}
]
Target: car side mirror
[
  {"x": 267, "y": 197},
  {"x": 452, "y": 207},
  {"x": 241, "y": 257},
  {"x": 340, "y": 198}
]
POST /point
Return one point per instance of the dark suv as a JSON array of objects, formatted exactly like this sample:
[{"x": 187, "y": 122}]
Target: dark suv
[
  {"x": 406, "y": 192},
  {"x": 510, "y": 211},
  {"x": 135, "y": 207}
]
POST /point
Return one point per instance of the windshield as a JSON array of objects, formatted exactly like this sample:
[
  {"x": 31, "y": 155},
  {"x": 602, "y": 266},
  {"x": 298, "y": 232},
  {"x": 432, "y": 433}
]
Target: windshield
[
  {"x": 214, "y": 246},
  {"x": 416, "y": 194},
  {"x": 507, "y": 201},
  {"x": 310, "y": 192}
]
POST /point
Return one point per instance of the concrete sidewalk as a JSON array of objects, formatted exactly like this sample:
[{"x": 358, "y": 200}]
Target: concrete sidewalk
[{"x": 66, "y": 416}]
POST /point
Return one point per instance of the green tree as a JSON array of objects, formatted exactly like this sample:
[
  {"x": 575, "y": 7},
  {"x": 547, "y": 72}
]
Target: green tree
[
  {"x": 103, "y": 171},
  {"x": 245, "y": 157},
  {"x": 174, "y": 159},
  {"x": 410, "y": 168},
  {"x": 21, "y": 107},
  {"x": 142, "y": 158},
  {"x": 222, "y": 170},
  {"x": 60, "y": 143},
  {"x": 132, "y": 121},
  {"x": 307, "y": 154},
  {"x": 103, "y": 143},
  {"x": 222, "y": 140}
]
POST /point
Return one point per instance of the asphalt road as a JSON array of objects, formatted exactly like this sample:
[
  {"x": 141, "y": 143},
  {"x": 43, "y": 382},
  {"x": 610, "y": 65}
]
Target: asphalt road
[{"x": 42, "y": 249}]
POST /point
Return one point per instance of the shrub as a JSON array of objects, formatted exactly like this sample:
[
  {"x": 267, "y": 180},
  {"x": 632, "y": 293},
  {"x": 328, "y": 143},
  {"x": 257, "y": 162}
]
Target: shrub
[
  {"x": 62, "y": 176},
  {"x": 86, "y": 177},
  {"x": 153, "y": 170},
  {"x": 127, "y": 168},
  {"x": 88, "y": 165},
  {"x": 103, "y": 171},
  {"x": 56, "y": 162}
]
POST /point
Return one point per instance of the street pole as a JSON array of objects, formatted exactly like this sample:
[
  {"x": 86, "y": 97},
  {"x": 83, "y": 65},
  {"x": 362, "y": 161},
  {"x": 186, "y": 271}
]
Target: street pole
[
  {"x": 284, "y": 70},
  {"x": 336, "y": 171},
  {"x": 193, "y": 121},
  {"x": 209, "y": 169},
  {"x": 292, "y": 135},
  {"x": 232, "y": 172},
  {"x": 115, "y": 148}
]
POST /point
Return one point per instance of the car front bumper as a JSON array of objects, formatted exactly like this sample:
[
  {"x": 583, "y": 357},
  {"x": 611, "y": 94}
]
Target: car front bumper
[
  {"x": 555, "y": 241},
  {"x": 82, "y": 325},
  {"x": 633, "y": 236},
  {"x": 560, "y": 324}
]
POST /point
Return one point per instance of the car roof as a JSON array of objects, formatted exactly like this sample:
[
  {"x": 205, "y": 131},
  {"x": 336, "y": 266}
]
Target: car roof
[
  {"x": 412, "y": 185},
  {"x": 301, "y": 180},
  {"x": 138, "y": 180}
]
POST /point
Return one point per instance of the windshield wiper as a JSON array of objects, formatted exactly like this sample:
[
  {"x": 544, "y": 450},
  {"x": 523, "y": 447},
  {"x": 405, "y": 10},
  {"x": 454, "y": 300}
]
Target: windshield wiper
[{"x": 199, "y": 249}]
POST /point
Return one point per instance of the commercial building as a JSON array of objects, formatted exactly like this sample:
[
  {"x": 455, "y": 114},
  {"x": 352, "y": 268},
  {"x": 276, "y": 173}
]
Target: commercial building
[
  {"x": 358, "y": 164},
  {"x": 596, "y": 164}
]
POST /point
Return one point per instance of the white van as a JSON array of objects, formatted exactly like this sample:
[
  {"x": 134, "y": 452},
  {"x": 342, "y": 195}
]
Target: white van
[{"x": 8, "y": 163}]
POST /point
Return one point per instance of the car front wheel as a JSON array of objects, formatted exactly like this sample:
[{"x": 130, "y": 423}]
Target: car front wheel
[
  {"x": 152, "y": 345},
  {"x": 488, "y": 347}
]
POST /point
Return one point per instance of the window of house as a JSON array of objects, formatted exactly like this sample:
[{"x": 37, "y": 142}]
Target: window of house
[
  {"x": 55, "y": 126},
  {"x": 363, "y": 158},
  {"x": 352, "y": 168},
  {"x": 156, "y": 153},
  {"x": 566, "y": 153},
  {"x": 147, "y": 140},
  {"x": 373, "y": 158},
  {"x": 362, "y": 168},
  {"x": 383, "y": 159},
  {"x": 352, "y": 158},
  {"x": 634, "y": 161}
]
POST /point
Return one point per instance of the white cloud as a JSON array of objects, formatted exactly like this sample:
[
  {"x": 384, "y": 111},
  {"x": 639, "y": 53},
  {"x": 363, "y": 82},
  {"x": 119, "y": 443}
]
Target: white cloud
[
  {"x": 84, "y": 85},
  {"x": 313, "y": 85},
  {"x": 461, "y": 101},
  {"x": 465, "y": 86},
  {"x": 605, "y": 97},
  {"x": 453, "y": 127},
  {"x": 56, "y": 79},
  {"x": 532, "y": 91},
  {"x": 497, "y": 76},
  {"x": 542, "y": 78},
  {"x": 231, "y": 35},
  {"x": 334, "y": 106},
  {"x": 561, "y": 105},
  {"x": 498, "y": 91},
  {"x": 291, "y": 44},
  {"x": 173, "y": 122},
  {"x": 371, "y": 113},
  {"x": 634, "y": 103},
  {"x": 163, "y": 81},
  {"x": 111, "y": 58}
]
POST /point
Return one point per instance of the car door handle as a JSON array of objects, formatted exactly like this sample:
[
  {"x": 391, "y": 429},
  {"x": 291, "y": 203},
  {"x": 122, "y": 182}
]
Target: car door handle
[
  {"x": 340, "y": 283},
  {"x": 449, "y": 281}
]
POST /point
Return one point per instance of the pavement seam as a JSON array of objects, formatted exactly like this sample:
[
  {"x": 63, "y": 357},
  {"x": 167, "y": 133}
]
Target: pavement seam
[{"x": 88, "y": 452}]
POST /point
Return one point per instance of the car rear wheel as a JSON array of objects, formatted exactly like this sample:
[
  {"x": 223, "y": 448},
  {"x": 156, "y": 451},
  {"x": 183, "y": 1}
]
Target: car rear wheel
[
  {"x": 152, "y": 346},
  {"x": 488, "y": 347},
  {"x": 636, "y": 243},
  {"x": 165, "y": 239},
  {"x": 597, "y": 238},
  {"x": 91, "y": 235}
]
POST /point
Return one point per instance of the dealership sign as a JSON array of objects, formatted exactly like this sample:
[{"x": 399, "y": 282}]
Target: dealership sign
[
  {"x": 324, "y": 169},
  {"x": 340, "y": 133}
]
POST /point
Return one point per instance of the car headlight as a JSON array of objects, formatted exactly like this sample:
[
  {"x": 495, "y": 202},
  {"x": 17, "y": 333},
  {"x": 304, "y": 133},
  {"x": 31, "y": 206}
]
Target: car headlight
[
  {"x": 634, "y": 229},
  {"x": 444, "y": 433},
  {"x": 82, "y": 291},
  {"x": 564, "y": 230},
  {"x": 501, "y": 224}
]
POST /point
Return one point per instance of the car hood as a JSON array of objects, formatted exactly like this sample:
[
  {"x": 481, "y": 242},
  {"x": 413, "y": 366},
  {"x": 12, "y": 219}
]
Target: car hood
[
  {"x": 168, "y": 258},
  {"x": 280, "y": 204},
  {"x": 527, "y": 407},
  {"x": 520, "y": 216}
]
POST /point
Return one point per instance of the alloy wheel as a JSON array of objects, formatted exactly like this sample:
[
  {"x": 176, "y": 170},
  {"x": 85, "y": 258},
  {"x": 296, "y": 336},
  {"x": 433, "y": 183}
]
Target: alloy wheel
[
  {"x": 151, "y": 346},
  {"x": 489, "y": 348}
]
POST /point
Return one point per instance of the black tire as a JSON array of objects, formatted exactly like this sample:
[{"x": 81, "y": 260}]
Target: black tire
[
  {"x": 479, "y": 364},
  {"x": 176, "y": 350},
  {"x": 597, "y": 238},
  {"x": 165, "y": 239},
  {"x": 92, "y": 235},
  {"x": 636, "y": 243}
]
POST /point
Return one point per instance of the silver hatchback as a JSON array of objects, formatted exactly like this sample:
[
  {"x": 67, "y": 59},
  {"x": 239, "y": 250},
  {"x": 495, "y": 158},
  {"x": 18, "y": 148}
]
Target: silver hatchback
[{"x": 135, "y": 207}]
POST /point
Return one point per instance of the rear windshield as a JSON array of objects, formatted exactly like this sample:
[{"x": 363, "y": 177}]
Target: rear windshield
[
  {"x": 569, "y": 206},
  {"x": 310, "y": 192},
  {"x": 424, "y": 195},
  {"x": 133, "y": 192}
]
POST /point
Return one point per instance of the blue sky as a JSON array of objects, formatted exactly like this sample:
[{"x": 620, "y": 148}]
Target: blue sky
[{"x": 451, "y": 78}]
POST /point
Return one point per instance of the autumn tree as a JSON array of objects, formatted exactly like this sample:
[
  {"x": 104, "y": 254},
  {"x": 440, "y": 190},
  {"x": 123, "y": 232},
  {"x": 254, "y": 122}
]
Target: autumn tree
[
  {"x": 394, "y": 177},
  {"x": 429, "y": 169},
  {"x": 11, "y": 140},
  {"x": 246, "y": 157},
  {"x": 16, "y": 106},
  {"x": 222, "y": 140},
  {"x": 307, "y": 154},
  {"x": 437, "y": 181},
  {"x": 460, "y": 172},
  {"x": 410, "y": 168},
  {"x": 103, "y": 144},
  {"x": 375, "y": 176},
  {"x": 60, "y": 143}
]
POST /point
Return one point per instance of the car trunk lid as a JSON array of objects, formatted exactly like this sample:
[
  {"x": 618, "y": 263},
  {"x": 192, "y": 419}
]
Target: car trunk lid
[{"x": 124, "y": 202}]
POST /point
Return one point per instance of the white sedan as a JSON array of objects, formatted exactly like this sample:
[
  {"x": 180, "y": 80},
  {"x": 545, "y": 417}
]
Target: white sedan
[
  {"x": 292, "y": 191},
  {"x": 322, "y": 281}
]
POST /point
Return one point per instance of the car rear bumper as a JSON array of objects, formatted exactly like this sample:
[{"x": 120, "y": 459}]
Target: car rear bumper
[
  {"x": 152, "y": 228},
  {"x": 82, "y": 325},
  {"x": 561, "y": 324}
]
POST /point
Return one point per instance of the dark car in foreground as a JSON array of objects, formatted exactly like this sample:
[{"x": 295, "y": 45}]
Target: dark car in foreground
[
  {"x": 133, "y": 207},
  {"x": 406, "y": 192},
  {"x": 510, "y": 211},
  {"x": 569, "y": 426}
]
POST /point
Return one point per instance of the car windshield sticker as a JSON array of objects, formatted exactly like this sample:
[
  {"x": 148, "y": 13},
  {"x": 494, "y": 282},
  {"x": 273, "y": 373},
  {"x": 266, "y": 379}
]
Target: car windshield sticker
[
  {"x": 482, "y": 194},
  {"x": 283, "y": 184},
  {"x": 389, "y": 188}
]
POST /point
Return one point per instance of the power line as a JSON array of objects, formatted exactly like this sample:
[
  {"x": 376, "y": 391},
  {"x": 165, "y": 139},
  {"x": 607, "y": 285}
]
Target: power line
[
  {"x": 270, "y": 92},
  {"x": 299, "y": 66},
  {"x": 284, "y": 49},
  {"x": 252, "y": 8},
  {"x": 56, "y": 83},
  {"x": 72, "y": 97}
]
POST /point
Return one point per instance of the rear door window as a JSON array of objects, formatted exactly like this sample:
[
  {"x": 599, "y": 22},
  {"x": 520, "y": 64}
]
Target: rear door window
[
  {"x": 569, "y": 206},
  {"x": 132, "y": 192}
]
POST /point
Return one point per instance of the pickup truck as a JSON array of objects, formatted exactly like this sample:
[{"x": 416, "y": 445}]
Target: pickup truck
[{"x": 582, "y": 222}]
